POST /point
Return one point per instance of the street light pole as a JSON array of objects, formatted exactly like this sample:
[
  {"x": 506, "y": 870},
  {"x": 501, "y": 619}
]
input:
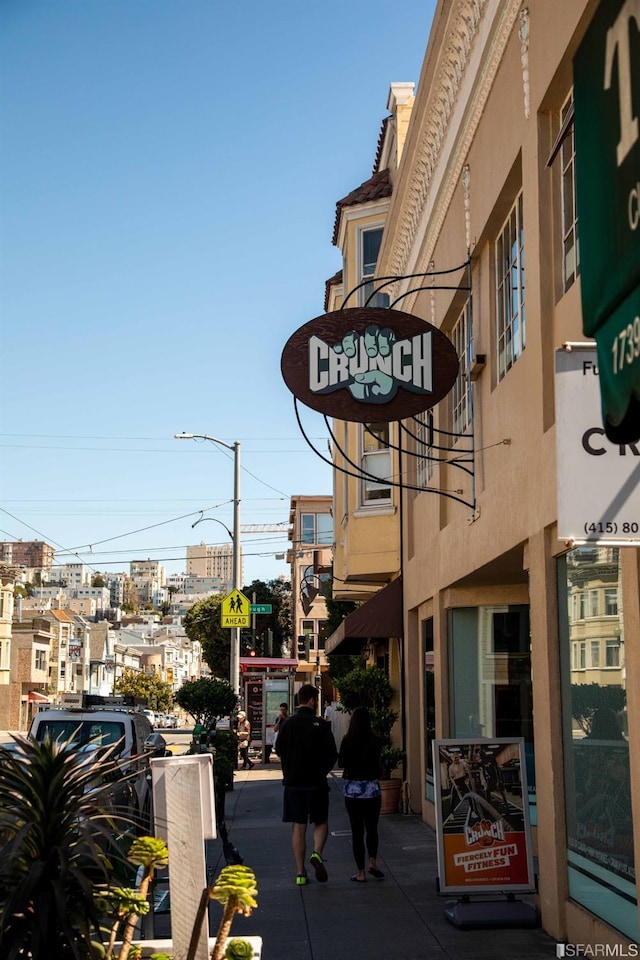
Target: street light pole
[{"x": 234, "y": 668}]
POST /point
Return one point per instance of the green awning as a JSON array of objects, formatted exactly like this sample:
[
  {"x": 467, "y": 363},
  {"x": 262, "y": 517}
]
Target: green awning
[{"x": 607, "y": 150}]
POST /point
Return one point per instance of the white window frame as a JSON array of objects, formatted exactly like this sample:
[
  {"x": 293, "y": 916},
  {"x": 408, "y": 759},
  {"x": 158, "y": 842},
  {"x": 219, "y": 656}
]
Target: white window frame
[
  {"x": 460, "y": 399},
  {"x": 373, "y": 462},
  {"x": 424, "y": 444},
  {"x": 570, "y": 235},
  {"x": 380, "y": 299},
  {"x": 510, "y": 289},
  {"x": 316, "y": 533}
]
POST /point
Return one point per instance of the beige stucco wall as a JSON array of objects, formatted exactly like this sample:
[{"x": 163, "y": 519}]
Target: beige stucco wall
[{"x": 503, "y": 549}]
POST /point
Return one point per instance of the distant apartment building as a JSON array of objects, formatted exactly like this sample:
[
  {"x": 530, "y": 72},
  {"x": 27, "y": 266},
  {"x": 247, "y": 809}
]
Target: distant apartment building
[
  {"x": 116, "y": 583},
  {"x": 147, "y": 586},
  {"x": 36, "y": 555},
  {"x": 212, "y": 560},
  {"x": 7, "y": 575},
  {"x": 72, "y": 575},
  {"x": 29, "y": 687},
  {"x": 59, "y": 659}
]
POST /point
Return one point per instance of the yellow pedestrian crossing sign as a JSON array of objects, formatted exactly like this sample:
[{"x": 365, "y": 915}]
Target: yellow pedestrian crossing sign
[{"x": 235, "y": 610}]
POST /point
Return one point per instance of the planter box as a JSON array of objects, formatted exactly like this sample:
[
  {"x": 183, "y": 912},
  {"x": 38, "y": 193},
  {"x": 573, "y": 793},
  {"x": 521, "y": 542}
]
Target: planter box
[
  {"x": 391, "y": 790},
  {"x": 166, "y": 946}
]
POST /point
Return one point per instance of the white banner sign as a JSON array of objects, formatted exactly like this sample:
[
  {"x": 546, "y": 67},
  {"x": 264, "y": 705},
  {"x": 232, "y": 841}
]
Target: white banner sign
[{"x": 598, "y": 481}]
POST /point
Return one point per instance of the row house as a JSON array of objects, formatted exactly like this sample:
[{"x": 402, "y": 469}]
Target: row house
[
  {"x": 35, "y": 557},
  {"x": 311, "y": 535},
  {"x": 28, "y": 691}
]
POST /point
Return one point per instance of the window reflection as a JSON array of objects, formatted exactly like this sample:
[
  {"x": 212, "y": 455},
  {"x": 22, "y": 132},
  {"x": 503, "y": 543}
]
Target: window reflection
[{"x": 598, "y": 791}]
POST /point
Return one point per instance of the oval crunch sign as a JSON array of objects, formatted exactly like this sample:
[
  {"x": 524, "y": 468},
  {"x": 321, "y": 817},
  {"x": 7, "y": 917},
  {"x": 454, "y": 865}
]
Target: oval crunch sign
[{"x": 369, "y": 364}]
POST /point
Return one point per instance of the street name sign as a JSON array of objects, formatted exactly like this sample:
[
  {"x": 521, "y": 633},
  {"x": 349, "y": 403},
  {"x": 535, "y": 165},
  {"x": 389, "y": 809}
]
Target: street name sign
[
  {"x": 235, "y": 610},
  {"x": 261, "y": 608}
]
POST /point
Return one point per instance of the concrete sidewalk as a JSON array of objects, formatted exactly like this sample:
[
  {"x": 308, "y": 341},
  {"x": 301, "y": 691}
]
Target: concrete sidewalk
[{"x": 399, "y": 918}]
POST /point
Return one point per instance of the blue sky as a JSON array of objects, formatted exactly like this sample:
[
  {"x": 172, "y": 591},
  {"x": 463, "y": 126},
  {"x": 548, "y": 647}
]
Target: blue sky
[{"x": 169, "y": 171}]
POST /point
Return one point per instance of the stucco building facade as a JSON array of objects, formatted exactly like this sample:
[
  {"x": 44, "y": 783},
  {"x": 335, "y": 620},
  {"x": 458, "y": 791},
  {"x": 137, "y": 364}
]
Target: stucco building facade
[{"x": 511, "y": 627}]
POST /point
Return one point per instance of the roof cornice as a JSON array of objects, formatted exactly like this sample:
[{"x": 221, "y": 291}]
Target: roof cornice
[{"x": 457, "y": 79}]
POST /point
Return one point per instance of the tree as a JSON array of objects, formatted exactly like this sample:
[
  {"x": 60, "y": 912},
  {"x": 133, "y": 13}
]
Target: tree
[
  {"x": 149, "y": 687},
  {"x": 370, "y": 687},
  {"x": 97, "y": 581},
  {"x": 588, "y": 698},
  {"x": 202, "y": 623},
  {"x": 207, "y": 700},
  {"x": 278, "y": 594}
]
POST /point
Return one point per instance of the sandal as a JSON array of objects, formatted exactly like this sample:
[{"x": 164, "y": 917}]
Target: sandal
[
  {"x": 356, "y": 879},
  {"x": 378, "y": 874}
]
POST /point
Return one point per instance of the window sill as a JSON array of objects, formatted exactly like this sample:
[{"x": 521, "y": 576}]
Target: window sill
[{"x": 375, "y": 511}]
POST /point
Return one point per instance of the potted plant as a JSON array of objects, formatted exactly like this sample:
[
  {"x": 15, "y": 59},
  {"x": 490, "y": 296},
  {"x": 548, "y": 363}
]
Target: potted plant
[
  {"x": 370, "y": 687},
  {"x": 58, "y": 839}
]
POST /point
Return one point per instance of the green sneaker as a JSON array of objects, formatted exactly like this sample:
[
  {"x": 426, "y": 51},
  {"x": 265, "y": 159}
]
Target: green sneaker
[
  {"x": 302, "y": 880},
  {"x": 317, "y": 863}
]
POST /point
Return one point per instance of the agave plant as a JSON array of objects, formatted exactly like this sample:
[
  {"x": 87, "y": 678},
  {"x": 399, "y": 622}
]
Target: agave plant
[{"x": 59, "y": 842}]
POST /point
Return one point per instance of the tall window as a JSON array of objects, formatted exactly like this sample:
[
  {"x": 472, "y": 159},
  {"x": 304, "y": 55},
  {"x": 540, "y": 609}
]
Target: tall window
[
  {"x": 460, "y": 336},
  {"x": 570, "y": 245},
  {"x": 599, "y": 816},
  {"x": 490, "y": 673},
  {"x": 376, "y": 463},
  {"x": 316, "y": 528},
  {"x": 424, "y": 448},
  {"x": 370, "y": 241},
  {"x": 510, "y": 290}
]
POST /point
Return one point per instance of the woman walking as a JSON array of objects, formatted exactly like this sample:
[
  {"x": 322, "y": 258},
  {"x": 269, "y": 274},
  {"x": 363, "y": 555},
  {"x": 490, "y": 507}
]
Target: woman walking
[{"x": 360, "y": 758}]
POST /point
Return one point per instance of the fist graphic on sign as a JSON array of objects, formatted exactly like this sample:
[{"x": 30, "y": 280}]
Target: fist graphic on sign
[{"x": 377, "y": 343}]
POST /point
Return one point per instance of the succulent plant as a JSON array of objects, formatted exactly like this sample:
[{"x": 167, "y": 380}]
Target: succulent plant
[{"x": 238, "y": 949}]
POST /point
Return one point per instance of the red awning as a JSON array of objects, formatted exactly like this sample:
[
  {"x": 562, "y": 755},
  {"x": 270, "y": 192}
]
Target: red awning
[
  {"x": 35, "y": 697},
  {"x": 377, "y": 619}
]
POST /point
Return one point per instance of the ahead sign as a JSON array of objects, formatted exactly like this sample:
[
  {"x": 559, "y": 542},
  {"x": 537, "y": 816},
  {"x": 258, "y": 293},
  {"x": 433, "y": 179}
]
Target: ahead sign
[{"x": 235, "y": 610}]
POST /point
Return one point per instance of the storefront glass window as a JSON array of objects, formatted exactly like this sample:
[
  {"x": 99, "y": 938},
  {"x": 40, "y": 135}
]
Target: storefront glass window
[
  {"x": 490, "y": 678},
  {"x": 600, "y": 855}
]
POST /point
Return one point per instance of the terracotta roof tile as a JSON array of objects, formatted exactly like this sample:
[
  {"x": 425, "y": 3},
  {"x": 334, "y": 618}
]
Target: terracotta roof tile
[
  {"x": 331, "y": 282},
  {"x": 375, "y": 188}
]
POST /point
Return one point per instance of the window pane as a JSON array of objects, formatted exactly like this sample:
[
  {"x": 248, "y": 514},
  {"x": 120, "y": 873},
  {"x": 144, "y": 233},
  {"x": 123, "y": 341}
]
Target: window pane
[
  {"x": 371, "y": 240},
  {"x": 491, "y": 693},
  {"x": 377, "y": 465},
  {"x": 325, "y": 528},
  {"x": 308, "y": 527},
  {"x": 597, "y": 784},
  {"x": 510, "y": 287}
]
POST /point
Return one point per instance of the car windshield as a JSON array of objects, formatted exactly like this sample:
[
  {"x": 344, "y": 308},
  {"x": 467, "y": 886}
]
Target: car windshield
[{"x": 100, "y": 733}]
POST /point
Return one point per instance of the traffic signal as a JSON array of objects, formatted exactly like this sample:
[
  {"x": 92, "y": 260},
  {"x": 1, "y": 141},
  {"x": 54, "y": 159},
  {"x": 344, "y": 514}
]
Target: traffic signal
[{"x": 303, "y": 648}]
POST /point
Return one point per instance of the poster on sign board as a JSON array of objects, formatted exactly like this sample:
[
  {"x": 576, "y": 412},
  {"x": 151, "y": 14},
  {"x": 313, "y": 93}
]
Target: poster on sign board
[{"x": 482, "y": 816}]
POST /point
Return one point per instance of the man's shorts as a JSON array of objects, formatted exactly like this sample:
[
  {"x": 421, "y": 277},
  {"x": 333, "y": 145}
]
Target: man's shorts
[{"x": 306, "y": 804}]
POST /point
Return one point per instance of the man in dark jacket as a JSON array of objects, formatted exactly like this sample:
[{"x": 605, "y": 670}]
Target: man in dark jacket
[{"x": 308, "y": 752}]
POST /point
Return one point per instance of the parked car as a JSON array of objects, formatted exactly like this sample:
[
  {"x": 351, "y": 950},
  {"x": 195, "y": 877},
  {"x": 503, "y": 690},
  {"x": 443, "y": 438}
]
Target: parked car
[
  {"x": 150, "y": 715},
  {"x": 172, "y": 721},
  {"x": 103, "y": 725}
]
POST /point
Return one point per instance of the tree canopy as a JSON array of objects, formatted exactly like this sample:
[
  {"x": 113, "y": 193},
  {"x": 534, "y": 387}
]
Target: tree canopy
[
  {"x": 157, "y": 693},
  {"x": 207, "y": 700},
  {"x": 202, "y": 623}
]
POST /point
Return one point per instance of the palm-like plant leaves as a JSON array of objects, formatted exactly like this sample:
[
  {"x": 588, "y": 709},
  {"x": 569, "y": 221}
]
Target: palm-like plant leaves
[{"x": 58, "y": 843}]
